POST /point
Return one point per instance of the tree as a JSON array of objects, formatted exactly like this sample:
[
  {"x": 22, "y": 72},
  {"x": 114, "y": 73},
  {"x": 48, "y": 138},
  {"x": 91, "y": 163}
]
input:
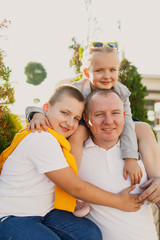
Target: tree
[
  {"x": 35, "y": 73},
  {"x": 6, "y": 91},
  {"x": 76, "y": 61},
  {"x": 129, "y": 76},
  {"x": 10, "y": 123}
]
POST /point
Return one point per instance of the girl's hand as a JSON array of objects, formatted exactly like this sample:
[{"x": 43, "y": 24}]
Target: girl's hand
[
  {"x": 132, "y": 168},
  {"x": 38, "y": 121}
]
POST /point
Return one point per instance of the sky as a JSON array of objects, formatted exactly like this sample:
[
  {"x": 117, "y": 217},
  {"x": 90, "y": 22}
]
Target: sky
[{"x": 42, "y": 30}]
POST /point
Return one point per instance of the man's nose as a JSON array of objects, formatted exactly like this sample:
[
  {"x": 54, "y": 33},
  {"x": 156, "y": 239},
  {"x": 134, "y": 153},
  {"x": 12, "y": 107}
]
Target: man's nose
[{"x": 108, "y": 119}]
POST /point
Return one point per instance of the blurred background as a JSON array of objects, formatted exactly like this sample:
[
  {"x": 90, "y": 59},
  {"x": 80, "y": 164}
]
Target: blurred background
[{"x": 41, "y": 31}]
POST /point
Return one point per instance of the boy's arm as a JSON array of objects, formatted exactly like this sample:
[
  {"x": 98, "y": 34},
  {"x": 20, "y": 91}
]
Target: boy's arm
[
  {"x": 31, "y": 110},
  {"x": 67, "y": 180}
]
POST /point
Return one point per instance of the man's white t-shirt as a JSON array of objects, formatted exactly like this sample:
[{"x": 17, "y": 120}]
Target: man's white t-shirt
[
  {"x": 104, "y": 168},
  {"x": 24, "y": 188}
]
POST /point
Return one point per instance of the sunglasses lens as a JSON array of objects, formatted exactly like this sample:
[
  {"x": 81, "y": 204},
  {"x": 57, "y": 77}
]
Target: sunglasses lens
[
  {"x": 113, "y": 45},
  {"x": 97, "y": 44}
]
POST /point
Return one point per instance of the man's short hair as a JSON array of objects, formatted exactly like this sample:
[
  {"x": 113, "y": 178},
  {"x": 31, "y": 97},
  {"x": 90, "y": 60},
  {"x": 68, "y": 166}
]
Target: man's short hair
[{"x": 102, "y": 92}]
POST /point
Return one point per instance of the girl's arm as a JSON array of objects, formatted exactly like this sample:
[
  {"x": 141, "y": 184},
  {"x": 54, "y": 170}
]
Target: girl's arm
[
  {"x": 129, "y": 147},
  {"x": 129, "y": 144},
  {"x": 31, "y": 110},
  {"x": 37, "y": 119}
]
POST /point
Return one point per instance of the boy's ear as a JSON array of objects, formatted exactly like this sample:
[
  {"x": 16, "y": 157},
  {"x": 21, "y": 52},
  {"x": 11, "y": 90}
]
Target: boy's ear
[
  {"x": 86, "y": 118},
  {"x": 86, "y": 73},
  {"x": 45, "y": 107}
]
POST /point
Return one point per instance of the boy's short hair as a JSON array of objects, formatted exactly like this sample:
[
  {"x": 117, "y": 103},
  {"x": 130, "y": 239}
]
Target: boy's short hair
[
  {"x": 88, "y": 54},
  {"x": 102, "y": 92},
  {"x": 64, "y": 90}
]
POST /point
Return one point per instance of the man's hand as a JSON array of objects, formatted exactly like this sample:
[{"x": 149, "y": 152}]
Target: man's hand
[
  {"x": 132, "y": 168},
  {"x": 152, "y": 192},
  {"x": 38, "y": 121}
]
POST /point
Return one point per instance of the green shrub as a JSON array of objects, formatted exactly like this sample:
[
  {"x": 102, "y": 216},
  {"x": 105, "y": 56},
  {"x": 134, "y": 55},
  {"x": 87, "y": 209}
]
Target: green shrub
[{"x": 10, "y": 124}]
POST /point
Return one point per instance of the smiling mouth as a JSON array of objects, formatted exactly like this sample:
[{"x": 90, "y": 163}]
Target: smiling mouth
[
  {"x": 108, "y": 129},
  {"x": 105, "y": 83},
  {"x": 64, "y": 129}
]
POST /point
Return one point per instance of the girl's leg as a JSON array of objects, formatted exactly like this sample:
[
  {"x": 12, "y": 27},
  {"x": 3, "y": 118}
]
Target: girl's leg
[
  {"x": 25, "y": 228},
  {"x": 69, "y": 227},
  {"x": 148, "y": 148}
]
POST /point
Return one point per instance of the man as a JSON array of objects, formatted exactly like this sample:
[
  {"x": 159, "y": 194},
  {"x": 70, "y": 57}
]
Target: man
[{"x": 102, "y": 165}]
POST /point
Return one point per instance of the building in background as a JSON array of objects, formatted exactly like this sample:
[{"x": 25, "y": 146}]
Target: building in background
[{"x": 152, "y": 82}]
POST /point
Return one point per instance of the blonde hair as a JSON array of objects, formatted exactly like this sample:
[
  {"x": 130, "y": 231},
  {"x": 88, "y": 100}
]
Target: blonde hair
[{"x": 89, "y": 53}]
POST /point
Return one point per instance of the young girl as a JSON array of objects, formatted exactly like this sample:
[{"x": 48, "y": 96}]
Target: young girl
[
  {"x": 35, "y": 171},
  {"x": 101, "y": 72}
]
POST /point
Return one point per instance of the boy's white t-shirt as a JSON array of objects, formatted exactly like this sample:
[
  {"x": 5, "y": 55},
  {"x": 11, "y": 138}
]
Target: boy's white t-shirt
[{"x": 24, "y": 188}]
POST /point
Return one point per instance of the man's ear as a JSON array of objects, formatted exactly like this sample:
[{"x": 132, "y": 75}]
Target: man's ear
[
  {"x": 45, "y": 107},
  {"x": 86, "y": 118},
  {"x": 86, "y": 73}
]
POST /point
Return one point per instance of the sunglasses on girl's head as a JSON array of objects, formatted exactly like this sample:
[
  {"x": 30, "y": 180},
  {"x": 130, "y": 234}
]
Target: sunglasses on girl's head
[{"x": 103, "y": 44}]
